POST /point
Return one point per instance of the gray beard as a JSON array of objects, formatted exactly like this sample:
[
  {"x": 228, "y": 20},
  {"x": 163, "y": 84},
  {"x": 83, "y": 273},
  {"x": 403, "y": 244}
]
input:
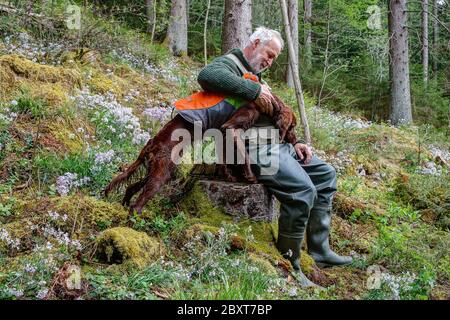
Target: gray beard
[{"x": 257, "y": 70}]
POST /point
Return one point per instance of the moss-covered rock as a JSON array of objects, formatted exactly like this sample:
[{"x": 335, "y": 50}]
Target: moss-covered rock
[
  {"x": 209, "y": 217},
  {"x": 85, "y": 217},
  {"x": 121, "y": 244},
  {"x": 91, "y": 212},
  {"x": 198, "y": 204},
  {"x": 265, "y": 265}
]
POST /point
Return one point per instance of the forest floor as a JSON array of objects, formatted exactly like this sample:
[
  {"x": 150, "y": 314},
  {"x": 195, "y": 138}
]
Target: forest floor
[{"x": 71, "y": 119}]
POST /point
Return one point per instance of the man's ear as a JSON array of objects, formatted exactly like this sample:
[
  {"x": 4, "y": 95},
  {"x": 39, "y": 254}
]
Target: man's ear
[{"x": 256, "y": 43}]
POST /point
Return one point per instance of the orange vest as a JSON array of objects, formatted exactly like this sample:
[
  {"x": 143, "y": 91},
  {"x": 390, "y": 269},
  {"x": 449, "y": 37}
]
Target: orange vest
[{"x": 205, "y": 99}]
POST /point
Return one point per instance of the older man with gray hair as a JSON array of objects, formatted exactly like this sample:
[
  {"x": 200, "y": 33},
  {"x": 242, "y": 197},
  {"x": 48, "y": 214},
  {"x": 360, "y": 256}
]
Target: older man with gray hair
[{"x": 303, "y": 184}]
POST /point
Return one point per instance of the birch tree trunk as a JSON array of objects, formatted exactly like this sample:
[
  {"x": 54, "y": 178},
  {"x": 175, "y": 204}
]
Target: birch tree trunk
[
  {"x": 400, "y": 95},
  {"x": 237, "y": 24},
  {"x": 425, "y": 52},
  {"x": 150, "y": 9},
  {"x": 293, "y": 23},
  {"x": 205, "y": 28},
  {"x": 297, "y": 83},
  {"x": 308, "y": 33},
  {"x": 176, "y": 37}
]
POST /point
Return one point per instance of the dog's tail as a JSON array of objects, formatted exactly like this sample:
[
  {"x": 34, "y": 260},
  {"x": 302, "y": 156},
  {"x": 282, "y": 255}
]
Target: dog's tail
[{"x": 133, "y": 169}]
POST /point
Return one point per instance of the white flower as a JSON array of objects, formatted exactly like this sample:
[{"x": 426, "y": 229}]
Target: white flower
[
  {"x": 157, "y": 113},
  {"x": 64, "y": 183},
  {"x": 105, "y": 157},
  {"x": 42, "y": 293},
  {"x": 53, "y": 215},
  {"x": 236, "y": 263},
  {"x": 29, "y": 268},
  {"x": 289, "y": 253},
  {"x": 140, "y": 137},
  {"x": 12, "y": 243},
  {"x": 15, "y": 292},
  {"x": 14, "y": 102},
  {"x": 293, "y": 292}
]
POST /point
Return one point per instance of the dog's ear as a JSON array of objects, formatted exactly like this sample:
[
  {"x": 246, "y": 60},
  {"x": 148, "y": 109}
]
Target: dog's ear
[{"x": 283, "y": 123}]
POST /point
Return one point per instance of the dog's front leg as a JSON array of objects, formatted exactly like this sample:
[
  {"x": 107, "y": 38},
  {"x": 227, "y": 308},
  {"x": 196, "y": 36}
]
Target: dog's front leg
[{"x": 240, "y": 146}]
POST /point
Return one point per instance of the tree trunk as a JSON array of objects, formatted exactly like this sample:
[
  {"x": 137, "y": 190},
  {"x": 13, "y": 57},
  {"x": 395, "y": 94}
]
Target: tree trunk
[
  {"x": 308, "y": 33},
  {"x": 400, "y": 100},
  {"x": 237, "y": 24},
  {"x": 150, "y": 6},
  {"x": 204, "y": 32},
  {"x": 435, "y": 37},
  {"x": 176, "y": 37},
  {"x": 326, "y": 65},
  {"x": 293, "y": 22},
  {"x": 297, "y": 83},
  {"x": 425, "y": 41}
]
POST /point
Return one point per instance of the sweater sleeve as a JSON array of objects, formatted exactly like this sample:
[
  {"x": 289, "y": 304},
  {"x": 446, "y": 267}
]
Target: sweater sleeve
[{"x": 220, "y": 77}]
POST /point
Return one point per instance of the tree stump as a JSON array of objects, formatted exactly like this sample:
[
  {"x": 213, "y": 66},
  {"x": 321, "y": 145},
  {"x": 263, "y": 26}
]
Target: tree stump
[{"x": 239, "y": 199}]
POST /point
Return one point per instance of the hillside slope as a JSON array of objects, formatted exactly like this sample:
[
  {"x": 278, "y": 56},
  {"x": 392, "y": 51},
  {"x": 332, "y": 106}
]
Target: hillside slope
[{"x": 70, "y": 120}]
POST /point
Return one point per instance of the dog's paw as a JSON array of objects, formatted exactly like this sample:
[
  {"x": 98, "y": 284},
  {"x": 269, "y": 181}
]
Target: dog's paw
[
  {"x": 231, "y": 178},
  {"x": 251, "y": 179}
]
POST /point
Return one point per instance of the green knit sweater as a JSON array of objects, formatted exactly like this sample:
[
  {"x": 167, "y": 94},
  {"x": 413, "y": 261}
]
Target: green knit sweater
[{"x": 223, "y": 76}]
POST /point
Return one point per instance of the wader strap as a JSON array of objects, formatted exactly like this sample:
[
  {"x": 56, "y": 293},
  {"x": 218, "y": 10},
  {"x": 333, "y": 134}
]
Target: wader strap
[{"x": 238, "y": 63}]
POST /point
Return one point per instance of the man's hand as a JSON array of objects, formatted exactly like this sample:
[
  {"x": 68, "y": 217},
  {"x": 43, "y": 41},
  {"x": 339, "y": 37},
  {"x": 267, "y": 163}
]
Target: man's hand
[
  {"x": 304, "y": 152},
  {"x": 264, "y": 100}
]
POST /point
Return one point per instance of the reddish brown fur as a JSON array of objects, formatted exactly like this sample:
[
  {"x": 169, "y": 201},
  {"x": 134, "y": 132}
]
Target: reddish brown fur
[
  {"x": 246, "y": 116},
  {"x": 156, "y": 155}
]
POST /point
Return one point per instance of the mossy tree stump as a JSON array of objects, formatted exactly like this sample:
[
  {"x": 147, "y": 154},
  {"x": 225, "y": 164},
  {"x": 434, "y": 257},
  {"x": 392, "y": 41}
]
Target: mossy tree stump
[{"x": 238, "y": 199}]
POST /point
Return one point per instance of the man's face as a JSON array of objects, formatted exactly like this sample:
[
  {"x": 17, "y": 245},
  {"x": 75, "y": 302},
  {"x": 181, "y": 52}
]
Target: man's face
[{"x": 263, "y": 55}]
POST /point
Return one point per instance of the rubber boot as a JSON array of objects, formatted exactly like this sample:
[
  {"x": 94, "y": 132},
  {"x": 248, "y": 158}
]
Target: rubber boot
[
  {"x": 290, "y": 249},
  {"x": 318, "y": 237}
]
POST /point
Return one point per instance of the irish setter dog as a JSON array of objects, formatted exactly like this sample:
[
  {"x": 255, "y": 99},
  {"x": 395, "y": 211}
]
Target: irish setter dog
[{"x": 155, "y": 157}]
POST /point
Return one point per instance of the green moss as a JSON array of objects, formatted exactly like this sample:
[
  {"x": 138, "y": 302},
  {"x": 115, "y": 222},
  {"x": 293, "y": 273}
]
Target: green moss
[
  {"x": 7, "y": 85},
  {"x": 85, "y": 217},
  {"x": 263, "y": 264},
  {"x": 101, "y": 83},
  {"x": 60, "y": 129},
  {"x": 208, "y": 217},
  {"x": 197, "y": 203},
  {"x": 92, "y": 212},
  {"x": 54, "y": 94},
  {"x": 123, "y": 244},
  {"x": 23, "y": 67},
  {"x": 53, "y": 84},
  {"x": 84, "y": 213}
]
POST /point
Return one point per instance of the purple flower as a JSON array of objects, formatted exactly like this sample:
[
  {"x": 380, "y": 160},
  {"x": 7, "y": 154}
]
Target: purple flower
[{"x": 157, "y": 113}]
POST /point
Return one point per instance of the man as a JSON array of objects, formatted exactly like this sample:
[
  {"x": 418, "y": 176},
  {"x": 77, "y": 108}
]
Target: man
[{"x": 304, "y": 184}]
